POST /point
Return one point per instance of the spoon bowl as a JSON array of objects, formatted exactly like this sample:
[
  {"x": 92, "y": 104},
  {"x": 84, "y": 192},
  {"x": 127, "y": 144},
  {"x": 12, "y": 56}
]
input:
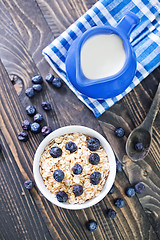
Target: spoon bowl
[
  {"x": 139, "y": 135},
  {"x": 143, "y": 133}
]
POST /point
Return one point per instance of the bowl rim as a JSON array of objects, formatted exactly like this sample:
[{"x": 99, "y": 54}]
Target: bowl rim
[{"x": 60, "y": 132}]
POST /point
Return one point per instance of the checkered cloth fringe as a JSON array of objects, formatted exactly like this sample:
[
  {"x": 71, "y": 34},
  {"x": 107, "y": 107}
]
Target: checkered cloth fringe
[{"x": 145, "y": 40}]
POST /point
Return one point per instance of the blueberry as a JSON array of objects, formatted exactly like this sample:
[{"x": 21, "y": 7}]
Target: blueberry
[
  {"x": 37, "y": 87},
  {"x": 23, "y": 136},
  {"x": 77, "y": 169},
  {"x": 119, "y": 202},
  {"x": 46, "y": 130},
  {"x": 57, "y": 82},
  {"x": 111, "y": 190},
  {"x": 26, "y": 125},
  {"x": 139, "y": 188},
  {"x": 55, "y": 152},
  {"x": 29, "y": 184},
  {"x": 111, "y": 213},
  {"x": 77, "y": 190},
  {"x": 119, "y": 132},
  {"x": 29, "y": 92},
  {"x": 71, "y": 146},
  {"x": 46, "y": 106},
  {"x": 138, "y": 146},
  {"x": 35, "y": 127},
  {"x": 94, "y": 158},
  {"x": 37, "y": 79},
  {"x": 49, "y": 78},
  {"x": 62, "y": 196},
  {"x": 118, "y": 166},
  {"x": 31, "y": 110},
  {"x": 95, "y": 178},
  {"x": 58, "y": 175},
  {"x": 38, "y": 118},
  {"x": 91, "y": 225},
  {"x": 130, "y": 192},
  {"x": 93, "y": 144}
]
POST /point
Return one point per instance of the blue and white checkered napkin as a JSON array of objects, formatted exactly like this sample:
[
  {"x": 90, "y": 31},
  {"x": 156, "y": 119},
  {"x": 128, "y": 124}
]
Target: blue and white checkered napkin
[{"x": 145, "y": 40}]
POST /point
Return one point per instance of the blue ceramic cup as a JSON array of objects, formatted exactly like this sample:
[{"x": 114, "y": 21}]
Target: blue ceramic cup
[{"x": 113, "y": 85}]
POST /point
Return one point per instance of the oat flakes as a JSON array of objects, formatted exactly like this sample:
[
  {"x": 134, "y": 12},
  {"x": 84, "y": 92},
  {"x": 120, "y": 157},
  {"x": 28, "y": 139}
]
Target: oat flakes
[{"x": 66, "y": 161}]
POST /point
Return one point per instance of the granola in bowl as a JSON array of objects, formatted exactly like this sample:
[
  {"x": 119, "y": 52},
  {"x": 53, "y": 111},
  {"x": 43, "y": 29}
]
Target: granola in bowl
[{"x": 79, "y": 170}]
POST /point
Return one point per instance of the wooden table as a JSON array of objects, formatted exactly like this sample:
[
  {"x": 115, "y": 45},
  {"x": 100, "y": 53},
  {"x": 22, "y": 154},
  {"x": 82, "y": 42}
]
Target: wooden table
[{"x": 26, "y": 27}]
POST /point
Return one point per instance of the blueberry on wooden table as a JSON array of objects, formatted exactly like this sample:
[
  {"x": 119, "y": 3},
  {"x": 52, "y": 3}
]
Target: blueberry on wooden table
[
  {"x": 57, "y": 82},
  {"x": 111, "y": 191},
  {"x": 91, "y": 225},
  {"x": 55, "y": 152},
  {"x": 49, "y": 78},
  {"x": 46, "y": 130},
  {"x": 130, "y": 192},
  {"x": 30, "y": 92},
  {"x": 94, "y": 158},
  {"x": 118, "y": 166},
  {"x": 93, "y": 144},
  {"x": 77, "y": 169},
  {"x": 46, "y": 106},
  {"x": 138, "y": 146},
  {"x": 37, "y": 87},
  {"x": 111, "y": 213},
  {"x": 139, "y": 188},
  {"x": 119, "y": 202},
  {"x": 23, "y": 136},
  {"x": 77, "y": 190},
  {"x": 58, "y": 175},
  {"x": 35, "y": 127},
  {"x": 71, "y": 146},
  {"x": 119, "y": 132},
  {"x": 95, "y": 178},
  {"x": 26, "y": 125},
  {"x": 62, "y": 196},
  {"x": 29, "y": 184},
  {"x": 37, "y": 79},
  {"x": 31, "y": 110},
  {"x": 38, "y": 118}
]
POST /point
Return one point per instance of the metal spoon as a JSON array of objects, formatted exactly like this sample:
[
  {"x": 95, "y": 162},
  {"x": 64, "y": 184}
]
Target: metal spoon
[{"x": 143, "y": 133}]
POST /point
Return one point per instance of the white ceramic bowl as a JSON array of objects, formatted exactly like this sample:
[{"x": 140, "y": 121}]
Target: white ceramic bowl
[{"x": 72, "y": 129}]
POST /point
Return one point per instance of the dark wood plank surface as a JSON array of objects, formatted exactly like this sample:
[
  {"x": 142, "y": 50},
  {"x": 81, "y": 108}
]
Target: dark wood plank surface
[{"x": 26, "y": 27}]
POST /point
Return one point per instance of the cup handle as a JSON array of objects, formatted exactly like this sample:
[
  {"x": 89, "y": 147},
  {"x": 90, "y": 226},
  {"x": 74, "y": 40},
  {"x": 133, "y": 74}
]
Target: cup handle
[{"x": 128, "y": 23}]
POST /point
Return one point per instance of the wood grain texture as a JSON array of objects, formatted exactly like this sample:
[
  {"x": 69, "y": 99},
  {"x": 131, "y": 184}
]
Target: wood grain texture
[
  {"x": 26, "y": 27},
  {"x": 137, "y": 104}
]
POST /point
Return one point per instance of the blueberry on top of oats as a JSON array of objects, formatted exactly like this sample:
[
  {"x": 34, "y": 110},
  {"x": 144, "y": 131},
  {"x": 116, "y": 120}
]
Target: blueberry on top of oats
[
  {"x": 93, "y": 144},
  {"x": 71, "y": 146},
  {"x": 58, "y": 175},
  {"x": 77, "y": 169},
  {"x": 95, "y": 178},
  {"x": 62, "y": 196},
  {"x": 55, "y": 152},
  {"x": 94, "y": 158},
  {"x": 77, "y": 190}
]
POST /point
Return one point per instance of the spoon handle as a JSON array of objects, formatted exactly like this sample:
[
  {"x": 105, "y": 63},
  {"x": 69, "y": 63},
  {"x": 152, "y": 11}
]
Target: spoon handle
[{"x": 148, "y": 121}]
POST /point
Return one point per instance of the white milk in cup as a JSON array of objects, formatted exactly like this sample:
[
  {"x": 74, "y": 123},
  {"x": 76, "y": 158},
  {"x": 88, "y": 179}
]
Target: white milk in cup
[{"x": 102, "y": 56}]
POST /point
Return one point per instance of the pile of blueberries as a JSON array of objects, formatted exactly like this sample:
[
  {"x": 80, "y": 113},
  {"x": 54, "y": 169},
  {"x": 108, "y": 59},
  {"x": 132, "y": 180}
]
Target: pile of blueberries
[
  {"x": 35, "y": 127},
  {"x": 37, "y": 84}
]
